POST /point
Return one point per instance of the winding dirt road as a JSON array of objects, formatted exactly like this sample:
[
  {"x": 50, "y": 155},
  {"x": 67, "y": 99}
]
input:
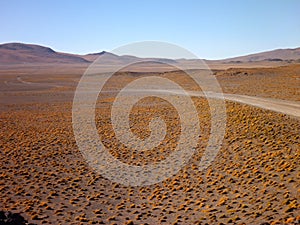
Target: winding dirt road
[
  {"x": 276, "y": 105},
  {"x": 291, "y": 108}
]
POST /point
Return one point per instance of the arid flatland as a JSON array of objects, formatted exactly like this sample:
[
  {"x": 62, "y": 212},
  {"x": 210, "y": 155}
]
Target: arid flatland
[{"x": 255, "y": 177}]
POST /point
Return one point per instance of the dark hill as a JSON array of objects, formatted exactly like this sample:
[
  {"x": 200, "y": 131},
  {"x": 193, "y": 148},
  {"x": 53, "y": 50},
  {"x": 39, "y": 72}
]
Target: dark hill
[{"x": 13, "y": 53}]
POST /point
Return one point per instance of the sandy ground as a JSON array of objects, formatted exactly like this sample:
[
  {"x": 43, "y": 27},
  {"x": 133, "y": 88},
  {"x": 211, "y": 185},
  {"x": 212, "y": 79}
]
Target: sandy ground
[{"x": 254, "y": 178}]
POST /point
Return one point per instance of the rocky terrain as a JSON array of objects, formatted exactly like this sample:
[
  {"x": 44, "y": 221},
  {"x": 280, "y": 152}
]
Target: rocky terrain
[{"x": 255, "y": 178}]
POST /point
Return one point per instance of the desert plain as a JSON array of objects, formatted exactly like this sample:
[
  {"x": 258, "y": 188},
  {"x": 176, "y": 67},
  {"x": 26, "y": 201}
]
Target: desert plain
[{"x": 255, "y": 178}]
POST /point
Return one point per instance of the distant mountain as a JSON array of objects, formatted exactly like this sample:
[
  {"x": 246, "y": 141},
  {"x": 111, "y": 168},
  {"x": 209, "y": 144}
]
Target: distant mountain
[
  {"x": 12, "y": 53},
  {"x": 274, "y": 55},
  {"x": 109, "y": 58}
]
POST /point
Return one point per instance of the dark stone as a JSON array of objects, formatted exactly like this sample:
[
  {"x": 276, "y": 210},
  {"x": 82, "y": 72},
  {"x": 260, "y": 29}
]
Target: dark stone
[{"x": 9, "y": 218}]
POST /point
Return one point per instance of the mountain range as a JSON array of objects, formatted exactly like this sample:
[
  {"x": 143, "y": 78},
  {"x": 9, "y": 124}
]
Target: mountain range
[{"x": 15, "y": 53}]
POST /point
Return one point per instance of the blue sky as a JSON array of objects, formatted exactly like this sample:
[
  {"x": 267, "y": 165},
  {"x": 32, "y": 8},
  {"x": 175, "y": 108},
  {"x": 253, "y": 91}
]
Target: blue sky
[{"x": 210, "y": 29}]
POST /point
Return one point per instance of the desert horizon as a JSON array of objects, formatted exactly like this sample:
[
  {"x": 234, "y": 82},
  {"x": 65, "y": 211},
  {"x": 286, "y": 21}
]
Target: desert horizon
[{"x": 16, "y": 53}]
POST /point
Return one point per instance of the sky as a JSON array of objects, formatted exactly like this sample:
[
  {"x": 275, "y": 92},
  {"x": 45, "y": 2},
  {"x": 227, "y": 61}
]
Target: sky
[{"x": 211, "y": 29}]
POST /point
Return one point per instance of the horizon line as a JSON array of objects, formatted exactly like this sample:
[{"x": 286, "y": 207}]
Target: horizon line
[{"x": 107, "y": 51}]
